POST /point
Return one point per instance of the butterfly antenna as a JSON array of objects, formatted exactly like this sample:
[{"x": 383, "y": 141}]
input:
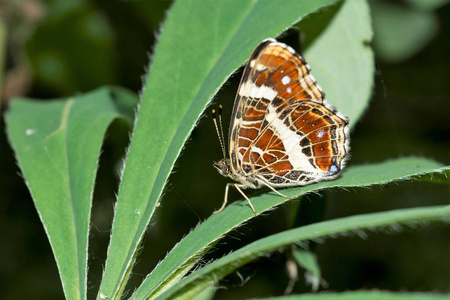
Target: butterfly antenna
[
  {"x": 218, "y": 131},
  {"x": 221, "y": 128}
]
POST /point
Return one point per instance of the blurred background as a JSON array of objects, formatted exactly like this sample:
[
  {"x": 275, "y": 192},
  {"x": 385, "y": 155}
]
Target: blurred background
[{"x": 52, "y": 49}]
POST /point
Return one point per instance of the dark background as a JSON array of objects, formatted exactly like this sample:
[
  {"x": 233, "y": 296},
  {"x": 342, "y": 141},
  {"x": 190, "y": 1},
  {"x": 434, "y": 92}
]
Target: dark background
[{"x": 56, "y": 50}]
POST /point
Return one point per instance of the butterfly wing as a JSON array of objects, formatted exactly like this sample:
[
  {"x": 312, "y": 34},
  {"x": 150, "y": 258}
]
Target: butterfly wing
[
  {"x": 237, "y": 145},
  {"x": 306, "y": 143},
  {"x": 283, "y": 132}
]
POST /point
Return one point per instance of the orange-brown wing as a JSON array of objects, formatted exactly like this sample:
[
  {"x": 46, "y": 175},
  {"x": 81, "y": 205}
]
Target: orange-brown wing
[
  {"x": 274, "y": 74},
  {"x": 281, "y": 122}
]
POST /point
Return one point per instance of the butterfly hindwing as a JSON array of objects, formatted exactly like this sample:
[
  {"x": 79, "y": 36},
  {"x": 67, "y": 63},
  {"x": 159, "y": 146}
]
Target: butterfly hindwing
[{"x": 311, "y": 139}]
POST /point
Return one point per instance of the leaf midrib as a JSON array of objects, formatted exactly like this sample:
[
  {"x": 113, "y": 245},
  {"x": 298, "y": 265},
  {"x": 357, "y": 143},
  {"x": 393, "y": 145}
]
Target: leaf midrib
[{"x": 67, "y": 179}]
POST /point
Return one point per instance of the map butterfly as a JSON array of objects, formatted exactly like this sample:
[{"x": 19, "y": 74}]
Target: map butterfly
[{"x": 282, "y": 131}]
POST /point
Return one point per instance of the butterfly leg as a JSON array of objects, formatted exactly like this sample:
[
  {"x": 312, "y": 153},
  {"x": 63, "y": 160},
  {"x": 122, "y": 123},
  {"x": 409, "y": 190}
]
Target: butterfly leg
[
  {"x": 275, "y": 191},
  {"x": 237, "y": 186},
  {"x": 225, "y": 199}
]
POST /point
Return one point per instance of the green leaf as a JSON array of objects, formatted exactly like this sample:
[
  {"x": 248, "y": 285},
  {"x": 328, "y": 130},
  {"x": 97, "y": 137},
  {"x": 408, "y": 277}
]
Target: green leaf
[
  {"x": 57, "y": 144},
  {"x": 416, "y": 29},
  {"x": 341, "y": 58},
  {"x": 184, "y": 255},
  {"x": 201, "y": 45},
  {"x": 308, "y": 260},
  {"x": 210, "y": 274},
  {"x": 364, "y": 295}
]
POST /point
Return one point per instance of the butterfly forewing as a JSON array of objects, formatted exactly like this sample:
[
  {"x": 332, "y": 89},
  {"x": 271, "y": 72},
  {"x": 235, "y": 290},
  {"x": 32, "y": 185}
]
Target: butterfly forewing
[{"x": 282, "y": 131}]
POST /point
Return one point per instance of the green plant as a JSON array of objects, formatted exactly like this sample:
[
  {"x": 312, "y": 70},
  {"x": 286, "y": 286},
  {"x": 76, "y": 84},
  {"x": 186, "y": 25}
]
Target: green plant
[{"x": 58, "y": 148}]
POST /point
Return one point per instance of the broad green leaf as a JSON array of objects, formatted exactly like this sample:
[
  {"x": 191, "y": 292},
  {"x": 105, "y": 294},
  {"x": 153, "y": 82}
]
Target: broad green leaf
[
  {"x": 364, "y": 295},
  {"x": 401, "y": 32},
  {"x": 201, "y": 45},
  {"x": 308, "y": 260},
  {"x": 210, "y": 274},
  {"x": 57, "y": 144},
  {"x": 342, "y": 61},
  {"x": 197, "y": 242}
]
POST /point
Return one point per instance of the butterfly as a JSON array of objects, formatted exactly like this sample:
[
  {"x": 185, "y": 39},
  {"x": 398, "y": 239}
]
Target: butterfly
[{"x": 282, "y": 132}]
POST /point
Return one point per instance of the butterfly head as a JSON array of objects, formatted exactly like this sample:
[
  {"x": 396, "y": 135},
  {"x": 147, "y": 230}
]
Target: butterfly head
[{"x": 223, "y": 166}]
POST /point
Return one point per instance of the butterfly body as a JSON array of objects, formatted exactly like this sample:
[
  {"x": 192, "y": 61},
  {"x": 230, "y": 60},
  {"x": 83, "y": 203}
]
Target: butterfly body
[{"x": 282, "y": 131}]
